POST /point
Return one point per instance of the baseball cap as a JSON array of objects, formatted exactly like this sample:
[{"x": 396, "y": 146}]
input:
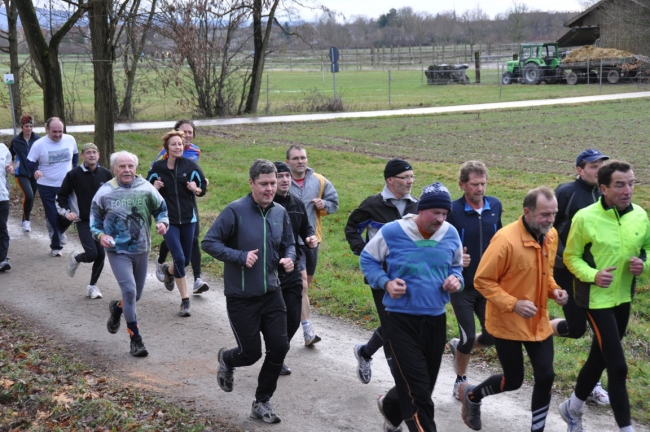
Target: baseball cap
[{"x": 590, "y": 155}]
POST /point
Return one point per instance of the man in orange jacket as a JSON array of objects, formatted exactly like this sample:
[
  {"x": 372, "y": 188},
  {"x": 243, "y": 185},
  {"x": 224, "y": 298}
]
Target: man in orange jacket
[{"x": 516, "y": 277}]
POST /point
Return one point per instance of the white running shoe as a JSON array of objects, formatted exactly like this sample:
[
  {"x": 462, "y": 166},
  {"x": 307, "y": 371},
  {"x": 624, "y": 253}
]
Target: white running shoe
[
  {"x": 27, "y": 226},
  {"x": 599, "y": 395},
  {"x": 200, "y": 286},
  {"x": 457, "y": 384},
  {"x": 364, "y": 367},
  {"x": 56, "y": 253},
  {"x": 73, "y": 264},
  {"x": 63, "y": 238},
  {"x": 93, "y": 292},
  {"x": 310, "y": 336},
  {"x": 572, "y": 419},
  {"x": 159, "y": 273}
]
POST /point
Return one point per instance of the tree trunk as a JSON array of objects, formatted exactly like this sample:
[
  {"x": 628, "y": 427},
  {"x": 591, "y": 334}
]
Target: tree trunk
[
  {"x": 261, "y": 38},
  {"x": 12, "y": 35},
  {"x": 46, "y": 57},
  {"x": 103, "y": 59}
]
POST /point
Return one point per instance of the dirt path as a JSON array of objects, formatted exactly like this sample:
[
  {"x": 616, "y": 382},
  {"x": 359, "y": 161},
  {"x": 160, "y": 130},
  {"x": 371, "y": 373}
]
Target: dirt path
[{"x": 322, "y": 394}]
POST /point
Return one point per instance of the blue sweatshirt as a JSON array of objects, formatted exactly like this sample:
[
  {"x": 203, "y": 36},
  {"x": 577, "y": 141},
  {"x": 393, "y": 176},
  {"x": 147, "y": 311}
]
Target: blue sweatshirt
[{"x": 423, "y": 264}]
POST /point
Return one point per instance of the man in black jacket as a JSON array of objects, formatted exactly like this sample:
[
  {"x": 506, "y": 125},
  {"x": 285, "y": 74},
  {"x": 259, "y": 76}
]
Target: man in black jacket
[
  {"x": 571, "y": 197},
  {"x": 73, "y": 203},
  {"x": 477, "y": 218},
  {"x": 253, "y": 238},
  {"x": 393, "y": 202},
  {"x": 291, "y": 283}
]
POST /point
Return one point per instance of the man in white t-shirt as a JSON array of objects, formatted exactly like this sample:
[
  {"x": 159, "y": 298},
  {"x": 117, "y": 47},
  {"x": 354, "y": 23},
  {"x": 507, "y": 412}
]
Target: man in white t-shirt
[
  {"x": 6, "y": 168},
  {"x": 50, "y": 158}
]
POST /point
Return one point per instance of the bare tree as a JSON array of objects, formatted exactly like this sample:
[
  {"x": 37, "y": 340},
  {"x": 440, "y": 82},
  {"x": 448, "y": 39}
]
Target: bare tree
[
  {"x": 208, "y": 38},
  {"x": 46, "y": 54},
  {"x": 136, "y": 32},
  {"x": 517, "y": 21},
  {"x": 11, "y": 36},
  {"x": 475, "y": 24}
]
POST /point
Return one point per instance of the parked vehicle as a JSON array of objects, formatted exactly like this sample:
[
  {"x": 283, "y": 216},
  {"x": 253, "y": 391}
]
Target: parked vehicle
[
  {"x": 535, "y": 63},
  {"x": 543, "y": 62}
]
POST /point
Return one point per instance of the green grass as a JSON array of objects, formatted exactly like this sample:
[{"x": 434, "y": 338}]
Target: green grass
[
  {"x": 522, "y": 148},
  {"x": 298, "y": 91}
]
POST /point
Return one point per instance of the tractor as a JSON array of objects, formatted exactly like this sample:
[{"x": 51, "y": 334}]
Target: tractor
[{"x": 537, "y": 62}]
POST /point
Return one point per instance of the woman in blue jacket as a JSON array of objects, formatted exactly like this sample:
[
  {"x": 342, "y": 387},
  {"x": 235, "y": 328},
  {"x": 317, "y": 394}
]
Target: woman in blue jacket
[
  {"x": 179, "y": 180},
  {"x": 19, "y": 148}
]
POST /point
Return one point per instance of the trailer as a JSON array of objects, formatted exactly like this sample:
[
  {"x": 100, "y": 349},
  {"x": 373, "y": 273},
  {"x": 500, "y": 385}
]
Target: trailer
[{"x": 613, "y": 70}]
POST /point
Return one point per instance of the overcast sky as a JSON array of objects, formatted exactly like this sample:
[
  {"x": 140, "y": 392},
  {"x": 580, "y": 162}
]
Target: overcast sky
[{"x": 374, "y": 8}]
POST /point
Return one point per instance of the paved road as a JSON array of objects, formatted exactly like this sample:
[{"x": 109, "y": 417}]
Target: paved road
[
  {"x": 322, "y": 395},
  {"x": 362, "y": 114}
]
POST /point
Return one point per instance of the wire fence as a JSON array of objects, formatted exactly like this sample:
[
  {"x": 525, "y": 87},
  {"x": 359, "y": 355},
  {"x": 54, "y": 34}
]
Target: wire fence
[{"x": 372, "y": 79}]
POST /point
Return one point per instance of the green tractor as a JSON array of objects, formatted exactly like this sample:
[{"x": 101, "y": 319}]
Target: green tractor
[{"x": 537, "y": 62}]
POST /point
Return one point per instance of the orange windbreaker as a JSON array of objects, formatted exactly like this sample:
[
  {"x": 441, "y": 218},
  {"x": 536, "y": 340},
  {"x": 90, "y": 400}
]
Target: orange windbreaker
[{"x": 515, "y": 267}]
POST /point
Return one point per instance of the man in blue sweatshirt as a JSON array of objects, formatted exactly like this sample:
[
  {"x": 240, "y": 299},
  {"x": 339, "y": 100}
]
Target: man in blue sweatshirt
[{"x": 423, "y": 258}]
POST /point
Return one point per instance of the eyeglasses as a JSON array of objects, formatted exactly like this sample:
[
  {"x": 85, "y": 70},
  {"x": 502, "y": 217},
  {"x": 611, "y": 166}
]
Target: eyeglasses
[{"x": 407, "y": 178}]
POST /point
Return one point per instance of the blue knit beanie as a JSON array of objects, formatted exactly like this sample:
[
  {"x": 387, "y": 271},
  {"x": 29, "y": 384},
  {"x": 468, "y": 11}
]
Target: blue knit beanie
[{"x": 435, "y": 195}]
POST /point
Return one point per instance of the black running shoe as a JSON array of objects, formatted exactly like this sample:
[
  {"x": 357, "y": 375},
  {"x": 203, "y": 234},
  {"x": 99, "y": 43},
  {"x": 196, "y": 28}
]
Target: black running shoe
[
  {"x": 185, "y": 308},
  {"x": 169, "y": 278},
  {"x": 113, "y": 323},
  {"x": 137, "y": 347}
]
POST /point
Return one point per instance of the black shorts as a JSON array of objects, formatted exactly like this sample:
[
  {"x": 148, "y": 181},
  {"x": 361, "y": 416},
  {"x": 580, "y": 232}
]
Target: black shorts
[{"x": 308, "y": 259}]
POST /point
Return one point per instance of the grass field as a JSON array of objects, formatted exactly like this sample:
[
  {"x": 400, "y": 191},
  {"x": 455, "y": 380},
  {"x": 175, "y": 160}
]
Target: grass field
[
  {"x": 522, "y": 148},
  {"x": 286, "y": 92}
]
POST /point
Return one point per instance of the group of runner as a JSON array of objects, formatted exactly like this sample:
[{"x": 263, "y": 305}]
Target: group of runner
[
  {"x": 588, "y": 231},
  {"x": 581, "y": 246}
]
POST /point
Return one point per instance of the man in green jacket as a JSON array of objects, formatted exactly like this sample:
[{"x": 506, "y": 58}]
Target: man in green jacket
[{"x": 603, "y": 252}]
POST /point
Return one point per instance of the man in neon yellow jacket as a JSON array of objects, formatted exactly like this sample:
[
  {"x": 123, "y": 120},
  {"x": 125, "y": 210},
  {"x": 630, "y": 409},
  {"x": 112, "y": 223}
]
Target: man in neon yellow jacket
[{"x": 603, "y": 252}]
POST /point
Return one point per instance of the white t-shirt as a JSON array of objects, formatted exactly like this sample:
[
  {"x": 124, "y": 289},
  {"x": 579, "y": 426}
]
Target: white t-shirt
[
  {"x": 5, "y": 161},
  {"x": 54, "y": 158}
]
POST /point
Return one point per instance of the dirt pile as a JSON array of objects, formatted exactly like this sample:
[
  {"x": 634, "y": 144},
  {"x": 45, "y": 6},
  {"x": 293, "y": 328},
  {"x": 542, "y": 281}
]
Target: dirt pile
[{"x": 594, "y": 53}]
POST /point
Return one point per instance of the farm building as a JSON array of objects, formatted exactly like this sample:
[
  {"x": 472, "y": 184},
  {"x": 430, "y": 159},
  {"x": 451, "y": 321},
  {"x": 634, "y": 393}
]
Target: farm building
[{"x": 620, "y": 24}]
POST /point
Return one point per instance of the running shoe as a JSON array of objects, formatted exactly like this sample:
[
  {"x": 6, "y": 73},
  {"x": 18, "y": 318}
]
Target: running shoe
[
  {"x": 457, "y": 386},
  {"x": 200, "y": 286},
  {"x": 56, "y": 253},
  {"x": 388, "y": 426},
  {"x": 137, "y": 347},
  {"x": 185, "y": 308},
  {"x": 571, "y": 418},
  {"x": 27, "y": 226},
  {"x": 63, "y": 239},
  {"x": 471, "y": 411},
  {"x": 286, "y": 370},
  {"x": 599, "y": 395},
  {"x": 72, "y": 264},
  {"x": 310, "y": 336},
  {"x": 159, "y": 272},
  {"x": 264, "y": 411},
  {"x": 4, "y": 265},
  {"x": 453, "y": 345},
  {"x": 93, "y": 292},
  {"x": 225, "y": 376},
  {"x": 364, "y": 371},
  {"x": 169, "y": 278},
  {"x": 113, "y": 323}
]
